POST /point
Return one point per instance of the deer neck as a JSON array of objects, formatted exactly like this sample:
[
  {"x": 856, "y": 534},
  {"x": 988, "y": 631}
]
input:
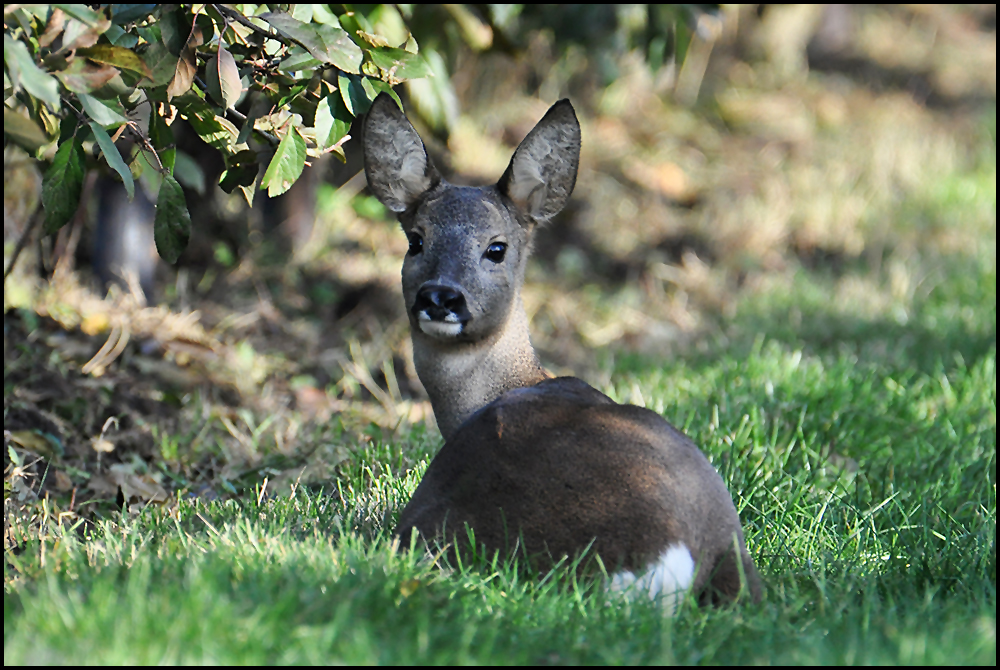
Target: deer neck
[{"x": 462, "y": 377}]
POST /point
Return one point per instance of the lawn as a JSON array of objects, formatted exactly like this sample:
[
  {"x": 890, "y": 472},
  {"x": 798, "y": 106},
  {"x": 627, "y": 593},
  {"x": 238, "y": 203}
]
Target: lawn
[
  {"x": 799, "y": 273},
  {"x": 868, "y": 495}
]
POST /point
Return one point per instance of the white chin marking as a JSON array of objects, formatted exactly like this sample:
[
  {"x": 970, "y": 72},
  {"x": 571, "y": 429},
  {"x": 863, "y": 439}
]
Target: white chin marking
[
  {"x": 441, "y": 328},
  {"x": 668, "y": 578}
]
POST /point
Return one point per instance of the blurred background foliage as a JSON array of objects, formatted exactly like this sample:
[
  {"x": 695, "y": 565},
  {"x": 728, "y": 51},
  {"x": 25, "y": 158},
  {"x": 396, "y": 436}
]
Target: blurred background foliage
[{"x": 823, "y": 176}]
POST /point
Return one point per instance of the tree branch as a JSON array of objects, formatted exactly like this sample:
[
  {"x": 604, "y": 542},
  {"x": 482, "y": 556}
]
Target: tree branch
[
  {"x": 263, "y": 133},
  {"x": 247, "y": 23},
  {"x": 240, "y": 117}
]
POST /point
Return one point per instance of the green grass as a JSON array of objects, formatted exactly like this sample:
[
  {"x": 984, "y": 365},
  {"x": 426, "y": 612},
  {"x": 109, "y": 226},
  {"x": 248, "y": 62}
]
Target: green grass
[
  {"x": 868, "y": 498},
  {"x": 850, "y": 407},
  {"x": 858, "y": 441},
  {"x": 859, "y": 446}
]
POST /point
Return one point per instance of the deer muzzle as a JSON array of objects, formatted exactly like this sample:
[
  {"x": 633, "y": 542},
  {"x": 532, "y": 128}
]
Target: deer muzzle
[{"x": 441, "y": 310}]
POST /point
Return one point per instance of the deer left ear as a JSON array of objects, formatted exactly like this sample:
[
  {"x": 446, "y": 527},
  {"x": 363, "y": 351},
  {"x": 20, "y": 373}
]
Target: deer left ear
[
  {"x": 542, "y": 172},
  {"x": 397, "y": 166}
]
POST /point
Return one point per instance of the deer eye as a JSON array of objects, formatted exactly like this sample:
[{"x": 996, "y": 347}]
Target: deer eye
[
  {"x": 416, "y": 244},
  {"x": 496, "y": 251}
]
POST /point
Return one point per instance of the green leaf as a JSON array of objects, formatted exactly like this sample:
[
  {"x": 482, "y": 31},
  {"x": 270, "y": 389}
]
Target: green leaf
[
  {"x": 298, "y": 59},
  {"x": 50, "y": 122},
  {"x": 83, "y": 14},
  {"x": 352, "y": 22},
  {"x": 120, "y": 57},
  {"x": 303, "y": 34},
  {"x": 68, "y": 127},
  {"x": 241, "y": 170},
  {"x": 247, "y": 128},
  {"x": 302, "y": 12},
  {"x": 286, "y": 165},
  {"x": 23, "y": 131},
  {"x": 381, "y": 86},
  {"x": 248, "y": 192},
  {"x": 370, "y": 93},
  {"x": 172, "y": 223},
  {"x": 122, "y": 14},
  {"x": 146, "y": 171},
  {"x": 343, "y": 52},
  {"x": 322, "y": 14},
  {"x": 223, "y": 78},
  {"x": 161, "y": 136},
  {"x": 114, "y": 158},
  {"x": 216, "y": 131},
  {"x": 24, "y": 72},
  {"x": 293, "y": 92},
  {"x": 333, "y": 121},
  {"x": 399, "y": 64},
  {"x": 175, "y": 28},
  {"x": 62, "y": 185},
  {"x": 113, "y": 33},
  {"x": 106, "y": 113},
  {"x": 161, "y": 63},
  {"x": 352, "y": 92},
  {"x": 189, "y": 173},
  {"x": 117, "y": 36},
  {"x": 127, "y": 41},
  {"x": 326, "y": 43}
]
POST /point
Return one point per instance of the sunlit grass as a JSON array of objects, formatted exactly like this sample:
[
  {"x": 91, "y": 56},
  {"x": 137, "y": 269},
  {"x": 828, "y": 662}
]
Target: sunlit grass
[
  {"x": 868, "y": 499},
  {"x": 833, "y": 308}
]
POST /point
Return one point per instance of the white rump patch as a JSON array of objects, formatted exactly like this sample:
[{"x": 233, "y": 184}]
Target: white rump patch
[
  {"x": 441, "y": 328},
  {"x": 669, "y": 578}
]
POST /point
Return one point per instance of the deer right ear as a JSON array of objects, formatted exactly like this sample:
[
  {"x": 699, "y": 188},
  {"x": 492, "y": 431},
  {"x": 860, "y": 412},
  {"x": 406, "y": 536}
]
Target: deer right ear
[
  {"x": 542, "y": 172},
  {"x": 398, "y": 168}
]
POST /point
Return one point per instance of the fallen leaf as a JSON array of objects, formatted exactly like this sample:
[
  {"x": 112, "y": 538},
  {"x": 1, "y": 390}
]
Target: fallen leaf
[
  {"x": 37, "y": 442},
  {"x": 60, "y": 481},
  {"x": 132, "y": 485}
]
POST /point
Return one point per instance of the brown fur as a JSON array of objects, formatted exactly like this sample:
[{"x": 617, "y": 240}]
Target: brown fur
[{"x": 559, "y": 464}]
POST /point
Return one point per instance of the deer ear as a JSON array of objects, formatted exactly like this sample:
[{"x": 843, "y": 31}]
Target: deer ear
[
  {"x": 542, "y": 172},
  {"x": 398, "y": 168}
]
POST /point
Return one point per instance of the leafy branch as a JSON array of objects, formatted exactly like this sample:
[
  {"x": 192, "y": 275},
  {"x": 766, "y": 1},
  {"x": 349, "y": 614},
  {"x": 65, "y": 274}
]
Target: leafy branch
[{"x": 78, "y": 77}]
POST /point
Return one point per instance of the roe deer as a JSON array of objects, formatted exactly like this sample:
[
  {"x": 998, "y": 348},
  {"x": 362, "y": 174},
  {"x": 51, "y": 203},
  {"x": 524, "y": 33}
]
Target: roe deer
[{"x": 548, "y": 462}]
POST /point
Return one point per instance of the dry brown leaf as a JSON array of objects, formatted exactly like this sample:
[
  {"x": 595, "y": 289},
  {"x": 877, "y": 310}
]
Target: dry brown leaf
[{"x": 60, "y": 481}]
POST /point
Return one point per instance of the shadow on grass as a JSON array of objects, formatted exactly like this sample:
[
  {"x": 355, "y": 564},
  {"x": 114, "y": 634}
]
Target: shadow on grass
[
  {"x": 884, "y": 341},
  {"x": 953, "y": 324}
]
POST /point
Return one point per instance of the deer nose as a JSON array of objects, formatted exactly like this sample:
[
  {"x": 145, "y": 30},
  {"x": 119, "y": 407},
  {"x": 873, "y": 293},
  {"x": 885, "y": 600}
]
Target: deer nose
[{"x": 439, "y": 301}]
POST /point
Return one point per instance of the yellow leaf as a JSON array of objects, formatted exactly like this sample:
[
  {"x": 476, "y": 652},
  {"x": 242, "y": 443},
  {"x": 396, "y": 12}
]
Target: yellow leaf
[
  {"x": 34, "y": 441},
  {"x": 102, "y": 446},
  {"x": 409, "y": 587},
  {"x": 95, "y": 323}
]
